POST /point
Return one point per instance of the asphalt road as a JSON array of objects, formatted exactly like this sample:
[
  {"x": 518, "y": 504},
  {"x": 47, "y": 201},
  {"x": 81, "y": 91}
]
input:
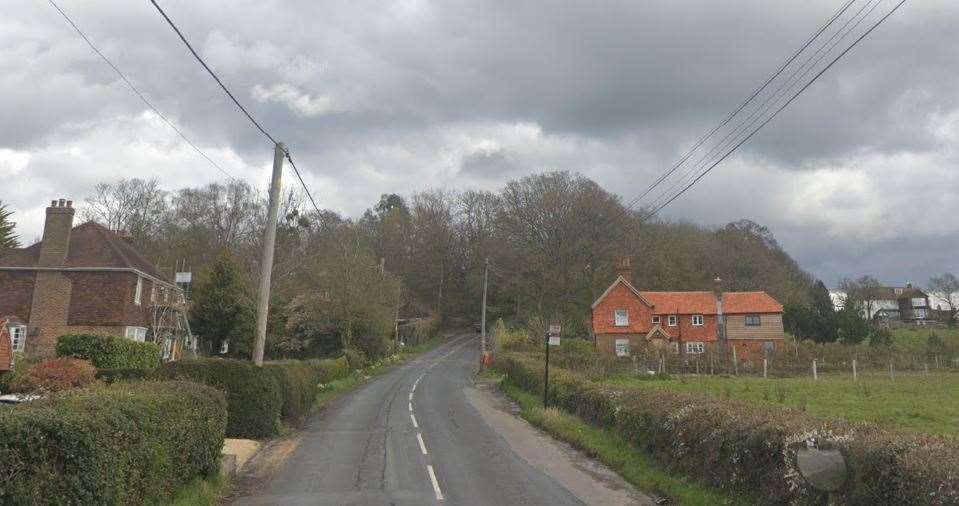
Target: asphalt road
[{"x": 421, "y": 434}]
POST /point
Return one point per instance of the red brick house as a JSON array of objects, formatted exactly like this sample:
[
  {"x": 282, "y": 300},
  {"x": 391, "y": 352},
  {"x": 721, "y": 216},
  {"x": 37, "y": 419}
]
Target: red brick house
[
  {"x": 625, "y": 318},
  {"x": 6, "y": 347},
  {"x": 83, "y": 279}
]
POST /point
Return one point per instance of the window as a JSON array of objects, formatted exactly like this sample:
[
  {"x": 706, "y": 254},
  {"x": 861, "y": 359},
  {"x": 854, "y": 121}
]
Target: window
[
  {"x": 18, "y": 334},
  {"x": 697, "y": 320},
  {"x": 918, "y": 302},
  {"x": 752, "y": 320},
  {"x": 224, "y": 346},
  {"x": 136, "y": 333},
  {"x": 153, "y": 293},
  {"x": 897, "y": 291},
  {"x": 695, "y": 348},
  {"x": 622, "y": 317},
  {"x": 138, "y": 292},
  {"x": 920, "y": 312},
  {"x": 622, "y": 347},
  {"x": 656, "y": 320},
  {"x": 671, "y": 320},
  {"x": 768, "y": 347}
]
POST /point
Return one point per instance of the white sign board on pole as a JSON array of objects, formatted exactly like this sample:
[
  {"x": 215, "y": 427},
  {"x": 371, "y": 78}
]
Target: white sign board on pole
[
  {"x": 554, "y": 330},
  {"x": 622, "y": 347},
  {"x": 554, "y": 340}
]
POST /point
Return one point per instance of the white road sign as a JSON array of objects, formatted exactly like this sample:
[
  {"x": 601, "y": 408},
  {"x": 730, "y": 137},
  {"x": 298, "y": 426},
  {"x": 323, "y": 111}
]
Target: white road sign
[{"x": 554, "y": 340}]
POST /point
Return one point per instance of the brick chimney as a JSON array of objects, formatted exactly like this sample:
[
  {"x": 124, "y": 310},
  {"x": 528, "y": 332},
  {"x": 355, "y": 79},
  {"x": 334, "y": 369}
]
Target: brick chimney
[
  {"x": 720, "y": 317},
  {"x": 125, "y": 235},
  {"x": 623, "y": 269},
  {"x": 56, "y": 233}
]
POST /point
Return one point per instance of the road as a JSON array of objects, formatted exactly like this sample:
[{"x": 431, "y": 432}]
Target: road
[{"x": 423, "y": 434}]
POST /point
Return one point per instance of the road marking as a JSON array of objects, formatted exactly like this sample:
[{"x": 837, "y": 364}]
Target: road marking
[
  {"x": 415, "y": 425},
  {"x": 411, "y": 407},
  {"x": 411, "y": 395},
  {"x": 419, "y": 437},
  {"x": 436, "y": 485}
]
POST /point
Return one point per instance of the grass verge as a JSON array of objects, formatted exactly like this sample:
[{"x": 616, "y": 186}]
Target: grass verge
[
  {"x": 199, "y": 492},
  {"x": 635, "y": 466}
]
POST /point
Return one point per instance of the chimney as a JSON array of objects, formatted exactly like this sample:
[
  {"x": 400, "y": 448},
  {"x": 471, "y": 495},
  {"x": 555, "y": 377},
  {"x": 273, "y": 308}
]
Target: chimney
[
  {"x": 125, "y": 235},
  {"x": 623, "y": 269},
  {"x": 908, "y": 285},
  {"x": 56, "y": 233},
  {"x": 720, "y": 317},
  {"x": 718, "y": 288}
]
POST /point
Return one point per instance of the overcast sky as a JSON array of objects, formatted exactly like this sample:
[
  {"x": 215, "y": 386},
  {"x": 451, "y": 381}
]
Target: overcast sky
[{"x": 859, "y": 175}]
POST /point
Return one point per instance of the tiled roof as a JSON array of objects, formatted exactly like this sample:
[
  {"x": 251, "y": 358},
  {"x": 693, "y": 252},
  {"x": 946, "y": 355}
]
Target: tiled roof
[
  {"x": 91, "y": 245},
  {"x": 705, "y": 302}
]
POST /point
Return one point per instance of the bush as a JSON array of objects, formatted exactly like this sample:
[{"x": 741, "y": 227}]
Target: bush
[
  {"x": 56, "y": 375},
  {"x": 109, "y": 352},
  {"x": 356, "y": 358},
  {"x": 748, "y": 449},
  {"x": 254, "y": 398},
  {"x": 327, "y": 369},
  {"x": 21, "y": 365},
  {"x": 298, "y": 387},
  {"x": 130, "y": 443},
  {"x": 114, "y": 375}
]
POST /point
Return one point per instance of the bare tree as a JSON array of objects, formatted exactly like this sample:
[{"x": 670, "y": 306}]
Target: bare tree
[
  {"x": 945, "y": 289},
  {"x": 135, "y": 205}
]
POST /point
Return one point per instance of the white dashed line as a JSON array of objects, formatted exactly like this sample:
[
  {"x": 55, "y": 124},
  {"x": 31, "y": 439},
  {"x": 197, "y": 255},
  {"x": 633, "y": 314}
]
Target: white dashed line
[
  {"x": 411, "y": 407},
  {"x": 419, "y": 437},
  {"x": 436, "y": 485},
  {"x": 411, "y": 395},
  {"x": 413, "y": 418}
]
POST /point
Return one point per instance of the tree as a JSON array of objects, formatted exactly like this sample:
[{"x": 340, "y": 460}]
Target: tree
[
  {"x": 136, "y": 205},
  {"x": 816, "y": 320},
  {"x": 853, "y": 328},
  {"x": 8, "y": 238},
  {"x": 866, "y": 291},
  {"x": 945, "y": 290},
  {"x": 222, "y": 309}
]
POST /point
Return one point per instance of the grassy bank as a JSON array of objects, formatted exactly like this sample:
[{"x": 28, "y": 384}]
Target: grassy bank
[
  {"x": 915, "y": 402},
  {"x": 199, "y": 492},
  {"x": 631, "y": 463}
]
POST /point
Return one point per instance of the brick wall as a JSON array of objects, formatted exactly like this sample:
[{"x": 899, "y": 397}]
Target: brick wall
[
  {"x": 16, "y": 293},
  {"x": 6, "y": 349},
  {"x": 49, "y": 309},
  {"x": 621, "y": 297},
  {"x": 106, "y": 299},
  {"x": 687, "y": 332}
]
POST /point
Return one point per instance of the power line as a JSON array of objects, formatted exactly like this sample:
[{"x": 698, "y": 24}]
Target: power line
[
  {"x": 749, "y": 99},
  {"x": 781, "y": 91},
  {"x": 137, "y": 91},
  {"x": 801, "y": 90},
  {"x": 307, "y": 190},
  {"x": 210, "y": 71}
]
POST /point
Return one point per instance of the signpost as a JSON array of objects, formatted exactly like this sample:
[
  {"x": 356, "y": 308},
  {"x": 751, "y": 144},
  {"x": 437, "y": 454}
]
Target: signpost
[{"x": 552, "y": 339}]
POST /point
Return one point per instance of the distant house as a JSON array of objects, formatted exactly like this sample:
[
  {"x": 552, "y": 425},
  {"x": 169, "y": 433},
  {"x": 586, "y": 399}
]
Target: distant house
[
  {"x": 685, "y": 322},
  {"x": 904, "y": 304},
  {"x": 86, "y": 279}
]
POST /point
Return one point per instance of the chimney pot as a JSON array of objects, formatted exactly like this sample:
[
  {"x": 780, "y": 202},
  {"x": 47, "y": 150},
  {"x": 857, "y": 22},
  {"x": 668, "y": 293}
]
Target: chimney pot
[
  {"x": 69, "y": 203},
  {"x": 53, "y": 203},
  {"x": 61, "y": 202}
]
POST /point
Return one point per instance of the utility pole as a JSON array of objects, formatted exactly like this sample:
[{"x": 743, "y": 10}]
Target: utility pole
[
  {"x": 483, "y": 317},
  {"x": 266, "y": 264}
]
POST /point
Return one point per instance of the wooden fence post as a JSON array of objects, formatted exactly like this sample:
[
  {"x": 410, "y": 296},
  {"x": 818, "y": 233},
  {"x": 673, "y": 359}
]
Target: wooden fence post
[
  {"x": 735, "y": 363},
  {"x": 892, "y": 372},
  {"x": 765, "y": 364},
  {"x": 815, "y": 374},
  {"x": 854, "y": 376},
  {"x": 925, "y": 365}
]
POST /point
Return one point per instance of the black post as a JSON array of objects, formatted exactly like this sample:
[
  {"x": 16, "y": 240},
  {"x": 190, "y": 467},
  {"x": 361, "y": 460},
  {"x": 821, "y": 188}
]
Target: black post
[{"x": 546, "y": 376}]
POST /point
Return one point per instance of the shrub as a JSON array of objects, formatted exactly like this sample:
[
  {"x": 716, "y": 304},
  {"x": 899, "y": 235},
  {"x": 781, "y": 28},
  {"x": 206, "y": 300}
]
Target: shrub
[
  {"x": 356, "y": 358},
  {"x": 130, "y": 443},
  {"x": 298, "y": 387},
  {"x": 327, "y": 369},
  {"x": 109, "y": 352},
  {"x": 114, "y": 375},
  {"x": 56, "y": 375},
  {"x": 254, "y": 399},
  {"x": 747, "y": 448},
  {"x": 9, "y": 380}
]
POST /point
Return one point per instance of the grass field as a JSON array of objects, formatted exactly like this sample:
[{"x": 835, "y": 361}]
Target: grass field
[
  {"x": 914, "y": 339},
  {"x": 912, "y": 402}
]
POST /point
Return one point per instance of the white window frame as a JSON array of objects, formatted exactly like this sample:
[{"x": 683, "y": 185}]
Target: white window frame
[
  {"x": 18, "y": 336},
  {"x": 621, "y": 347},
  {"x": 224, "y": 346},
  {"x": 672, "y": 320},
  {"x": 138, "y": 334},
  {"x": 153, "y": 293},
  {"x": 918, "y": 302},
  {"x": 138, "y": 291},
  {"x": 621, "y": 317},
  {"x": 920, "y": 312},
  {"x": 657, "y": 319},
  {"x": 697, "y": 320},
  {"x": 759, "y": 320},
  {"x": 695, "y": 348}
]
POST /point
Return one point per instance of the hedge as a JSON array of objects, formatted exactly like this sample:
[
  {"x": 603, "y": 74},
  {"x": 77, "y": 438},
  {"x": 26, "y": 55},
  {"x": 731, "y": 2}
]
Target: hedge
[
  {"x": 130, "y": 443},
  {"x": 109, "y": 352},
  {"x": 298, "y": 387},
  {"x": 114, "y": 375},
  {"x": 253, "y": 395},
  {"x": 745, "y": 448},
  {"x": 326, "y": 370}
]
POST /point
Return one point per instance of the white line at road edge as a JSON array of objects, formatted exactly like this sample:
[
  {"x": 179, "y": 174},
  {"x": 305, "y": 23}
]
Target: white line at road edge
[
  {"x": 411, "y": 406},
  {"x": 419, "y": 437},
  {"x": 415, "y": 425},
  {"x": 436, "y": 485}
]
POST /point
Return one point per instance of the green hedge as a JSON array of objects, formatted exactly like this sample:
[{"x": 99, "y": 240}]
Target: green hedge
[
  {"x": 298, "y": 387},
  {"x": 746, "y": 448},
  {"x": 328, "y": 369},
  {"x": 130, "y": 443},
  {"x": 109, "y": 352},
  {"x": 253, "y": 394},
  {"x": 114, "y": 375}
]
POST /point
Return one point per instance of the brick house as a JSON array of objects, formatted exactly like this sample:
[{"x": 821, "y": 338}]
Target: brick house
[
  {"x": 624, "y": 319},
  {"x": 84, "y": 279},
  {"x": 6, "y": 347}
]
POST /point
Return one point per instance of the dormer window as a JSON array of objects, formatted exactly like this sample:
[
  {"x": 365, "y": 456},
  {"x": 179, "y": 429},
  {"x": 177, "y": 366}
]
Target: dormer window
[
  {"x": 656, "y": 319},
  {"x": 621, "y": 317},
  {"x": 672, "y": 320}
]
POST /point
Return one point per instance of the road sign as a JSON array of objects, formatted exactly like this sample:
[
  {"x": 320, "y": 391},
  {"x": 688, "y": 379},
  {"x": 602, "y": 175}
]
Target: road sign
[
  {"x": 554, "y": 340},
  {"x": 554, "y": 330}
]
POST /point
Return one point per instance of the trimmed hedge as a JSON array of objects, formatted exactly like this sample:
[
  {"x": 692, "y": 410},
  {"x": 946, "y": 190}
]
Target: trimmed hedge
[
  {"x": 746, "y": 448},
  {"x": 253, "y": 395},
  {"x": 109, "y": 352},
  {"x": 130, "y": 443},
  {"x": 298, "y": 387},
  {"x": 328, "y": 369},
  {"x": 114, "y": 375}
]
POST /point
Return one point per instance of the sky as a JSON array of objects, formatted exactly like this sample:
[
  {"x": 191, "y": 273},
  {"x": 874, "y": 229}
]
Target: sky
[{"x": 857, "y": 176}]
